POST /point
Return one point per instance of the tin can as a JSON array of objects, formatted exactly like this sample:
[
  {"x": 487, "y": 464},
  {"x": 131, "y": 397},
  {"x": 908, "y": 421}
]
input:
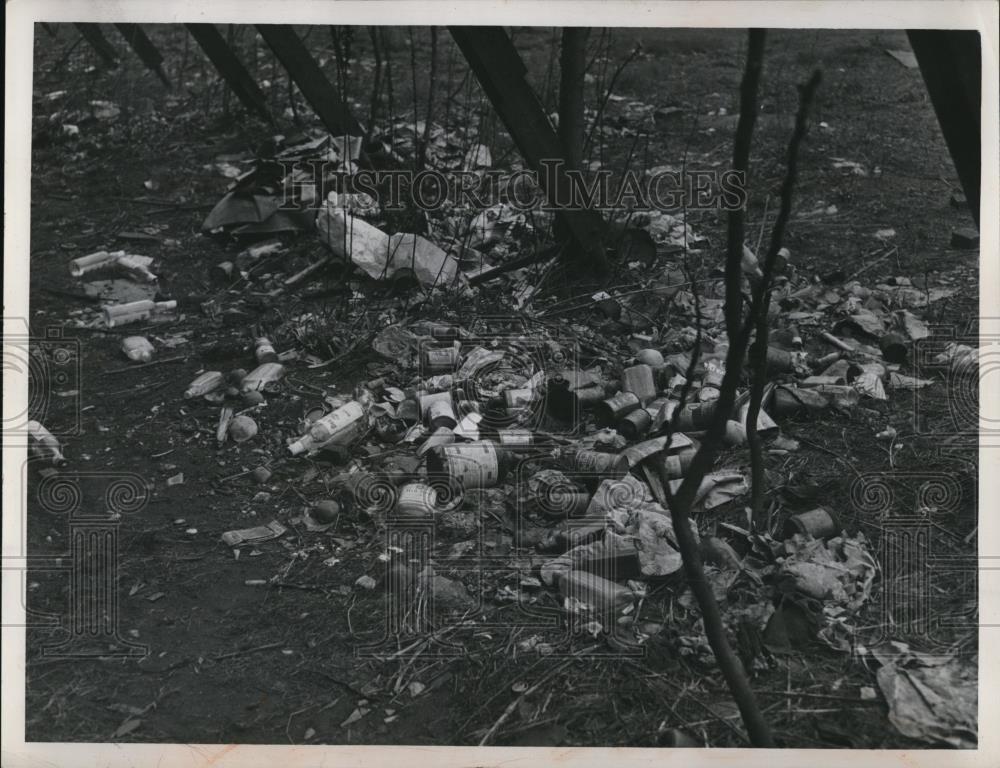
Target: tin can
[
  {"x": 696, "y": 416},
  {"x": 895, "y": 348},
  {"x": 513, "y": 437},
  {"x": 614, "y": 409},
  {"x": 820, "y": 523},
  {"x": 635, "y": 424},
  {"x": 441, "y": 359},
  {"x": 477, "y": 464},
  {"x": 640, "y": 381},
  {"x": 600, "y": 464},
  {"x": 426, "y": 400},
  {"x": 441, "y": 414},
  {"x": 779, "y": 360},
  {"x": 416, "y": 501}
]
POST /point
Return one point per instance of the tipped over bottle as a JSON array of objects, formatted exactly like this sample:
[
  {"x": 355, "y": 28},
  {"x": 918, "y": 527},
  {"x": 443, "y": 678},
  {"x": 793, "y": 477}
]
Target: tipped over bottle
[
  {"x": 44, "y": 446},
  {"x": 339, "y": 427}
]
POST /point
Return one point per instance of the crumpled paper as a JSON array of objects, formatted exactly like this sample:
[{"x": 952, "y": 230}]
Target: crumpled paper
[{"x": 930, "y": 698}]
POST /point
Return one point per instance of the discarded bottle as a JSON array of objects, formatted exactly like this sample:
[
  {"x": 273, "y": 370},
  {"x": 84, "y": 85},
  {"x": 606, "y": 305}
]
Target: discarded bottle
[
  {"x": 44, "y": 446},
  {"x": 137, "y": 349},
  {"x": 479, "y": 464},
  {"x": 137, "y": 267},
  {"x": 263, "y": 350},
  {"x": 261, "y": 376},
  {"x": 208, "y": 382},
  {"x": 603, "y": 595},
  {"x": 336, "y": 428},
  {"x": 93, "y": 262},
  {"x": 122, "y": 314}
]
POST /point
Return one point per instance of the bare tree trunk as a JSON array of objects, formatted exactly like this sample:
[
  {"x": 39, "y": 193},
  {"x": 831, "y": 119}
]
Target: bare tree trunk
[
  {"x": 572, "y": 61},
  {"x": 680, "y": 503},
  {"x": 762, "y": 301}
]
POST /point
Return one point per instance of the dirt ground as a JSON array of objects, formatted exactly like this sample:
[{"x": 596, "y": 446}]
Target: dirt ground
[{"x": 229, "y": 660}]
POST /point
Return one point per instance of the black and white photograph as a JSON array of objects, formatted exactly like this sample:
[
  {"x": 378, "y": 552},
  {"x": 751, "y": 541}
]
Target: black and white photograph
[{"x": 465, "y": 380}]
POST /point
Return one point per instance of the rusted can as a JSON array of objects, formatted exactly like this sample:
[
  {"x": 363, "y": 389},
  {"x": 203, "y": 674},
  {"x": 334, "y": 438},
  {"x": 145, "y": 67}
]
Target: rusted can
[
  {"x": 640, "y": 381},
  {"x": 779, "y": 360},
  {"x": 441, "y": 359},
  {"x": 614, "y": 409},
  {"x": 441, "y": 414},
  {"x": 599, "y": 464},
  {"x": 895, "y": 348},
  {"x": 820, "y": 523},
  {"x": 478, "y": 464},
  {"x": 636, "y": 424},
  {"x": 696, "y": 416},
  {"x": 415, "y": 501}
]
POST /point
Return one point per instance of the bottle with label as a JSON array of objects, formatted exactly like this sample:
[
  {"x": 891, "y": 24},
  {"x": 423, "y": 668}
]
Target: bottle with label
[
  {"x": 43, "y": 445},
  {"x": 338, "y": 427}
]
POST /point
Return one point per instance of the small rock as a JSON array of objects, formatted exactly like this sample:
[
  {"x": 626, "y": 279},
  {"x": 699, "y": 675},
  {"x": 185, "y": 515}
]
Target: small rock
[
  {"x": 365, "y": 582},
  {"x": 261, "y": 475},
  {"x": 965, "y": 238}
]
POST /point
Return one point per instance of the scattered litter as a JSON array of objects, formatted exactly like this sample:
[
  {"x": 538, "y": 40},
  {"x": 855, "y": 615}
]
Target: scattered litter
[
  {"x": 256, "y": 535},
  {"x": 931, "y": 698}
]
